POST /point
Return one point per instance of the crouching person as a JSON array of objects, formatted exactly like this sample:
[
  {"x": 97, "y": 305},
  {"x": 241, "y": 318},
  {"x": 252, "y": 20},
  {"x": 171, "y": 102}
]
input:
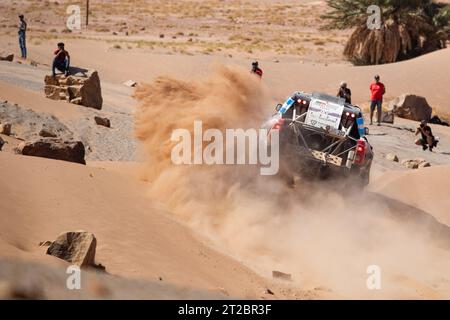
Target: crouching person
[
  {"x": 61, "y": 60},
  {"x": 427, "y": 140}
]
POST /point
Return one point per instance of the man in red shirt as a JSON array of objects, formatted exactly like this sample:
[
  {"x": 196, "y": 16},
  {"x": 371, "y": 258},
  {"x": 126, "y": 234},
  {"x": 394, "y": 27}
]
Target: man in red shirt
[
  {"x": 61, "y": 60},
  {"x": 377, "y": 91},
  {"x": 256, "y": 70}
]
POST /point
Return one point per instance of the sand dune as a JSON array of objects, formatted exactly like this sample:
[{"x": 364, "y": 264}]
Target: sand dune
[
  {"x": 426, "y": 189},
  {"x": 136, "y": 238}
]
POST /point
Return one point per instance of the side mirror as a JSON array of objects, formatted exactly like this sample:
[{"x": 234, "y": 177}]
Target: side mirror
[
  {"x": 366, "y": 131},
  {"x": 278, "y": 107}
]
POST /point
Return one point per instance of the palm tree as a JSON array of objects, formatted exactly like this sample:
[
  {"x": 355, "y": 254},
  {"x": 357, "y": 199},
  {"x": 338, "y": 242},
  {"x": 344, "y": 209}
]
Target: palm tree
[{"x": 409, "y": 28}]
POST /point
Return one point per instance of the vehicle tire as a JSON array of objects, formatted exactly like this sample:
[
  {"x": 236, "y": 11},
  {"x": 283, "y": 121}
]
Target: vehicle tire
[{"x": 359, "y": 178}]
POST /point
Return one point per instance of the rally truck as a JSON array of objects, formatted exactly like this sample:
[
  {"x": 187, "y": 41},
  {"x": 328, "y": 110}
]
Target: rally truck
[{"x": 322, "y": 136}]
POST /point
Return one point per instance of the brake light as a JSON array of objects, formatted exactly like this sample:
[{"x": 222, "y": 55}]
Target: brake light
[
  {"x": 278, "y": 124},
  {"x": 350, "y": 115},
  {"x": 360, "y": 153}
]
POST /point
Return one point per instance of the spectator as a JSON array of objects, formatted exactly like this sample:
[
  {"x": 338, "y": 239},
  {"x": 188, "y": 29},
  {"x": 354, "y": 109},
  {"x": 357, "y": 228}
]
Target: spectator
[
  {"x": 256, "y": 70},
  {"x": 427, "y": 141},
  {"x": 377, "y": 91},
  {"x": 22, "y": 36},
  {"x": 345, "y": 92},
  {"x": 61, "y": 60}
]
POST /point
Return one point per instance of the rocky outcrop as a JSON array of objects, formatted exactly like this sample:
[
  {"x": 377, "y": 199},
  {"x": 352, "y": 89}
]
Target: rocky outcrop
[
  {"x": 77, "y": 247},
  {"x": 82, "y": 89},
  {"x": 6, "y": 56},
  {"x": 415, "y": 163},
  {"x": 102, "y": 121},
  {"x": 27, "y": 124},
  {"x": 54, "y": 148},
  {"x": 411, "y": 107}
]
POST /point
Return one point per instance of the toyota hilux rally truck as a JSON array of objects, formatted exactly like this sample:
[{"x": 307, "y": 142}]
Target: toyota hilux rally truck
[{"x": 322, "y": 136}]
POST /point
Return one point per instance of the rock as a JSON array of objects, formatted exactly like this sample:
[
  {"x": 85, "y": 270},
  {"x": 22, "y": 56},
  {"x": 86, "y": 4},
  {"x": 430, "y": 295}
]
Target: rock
[
  {"x": 5, "y": 128},
  {"x": 424, "y": 164},
  {"x": 392, "y": 157},
  {"x": 45, "y": 243},
  {"x": 281, "y": 275},
  {"x": 81, "y": 88},
  {"x": 76, "y": 101},
  {"x": 46, "y": 133},
  {"x": 54, "y": 148},
  {"x": 437, "y": 120},
  {"x": 4, "y": 56},
  {"x": 2, "y": 143},
  {"x": 52, "y": 81},
  {"x": 33, "y": 63},
  {"x": 130, "y": 83},
  {"x": 387, "y": 116},
  {"x": 102, "y": 121},
  {"x": 411, "y": 107},
  {"x": 268, "y": 291},
  {"x": 77, "y": 247},
  {"x": 415, "y": 163},
  {"x": 410, "y": 164}
]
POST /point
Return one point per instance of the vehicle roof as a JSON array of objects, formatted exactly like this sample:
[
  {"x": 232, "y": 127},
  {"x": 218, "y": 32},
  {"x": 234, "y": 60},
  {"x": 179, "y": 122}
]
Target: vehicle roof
[{"x": 330, "y": 98}]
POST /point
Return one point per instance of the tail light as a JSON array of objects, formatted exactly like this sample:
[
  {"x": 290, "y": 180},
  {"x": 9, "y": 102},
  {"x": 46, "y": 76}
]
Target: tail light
[
  {"x": 360, "y": 152},
  {"x": 278, "y": 124},
  {"x": 348, "y": 118}
]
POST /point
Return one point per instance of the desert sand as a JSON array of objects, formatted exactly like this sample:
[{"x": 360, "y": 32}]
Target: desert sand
[{"x": 182, "y": 232}]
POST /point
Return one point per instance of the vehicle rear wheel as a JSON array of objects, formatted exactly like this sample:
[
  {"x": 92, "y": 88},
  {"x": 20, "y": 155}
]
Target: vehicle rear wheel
[{"x": 359, "y": 177}]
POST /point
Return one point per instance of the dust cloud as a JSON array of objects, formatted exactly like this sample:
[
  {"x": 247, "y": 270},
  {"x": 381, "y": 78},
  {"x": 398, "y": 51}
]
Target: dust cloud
[{"x": 322, "y": 236}]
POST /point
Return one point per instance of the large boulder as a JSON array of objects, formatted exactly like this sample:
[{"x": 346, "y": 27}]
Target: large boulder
[
  {"x": 81, "y": 88},
  {"x": 77, "y": 247},
  {"x": 54, "y": 148},
  {"x": 6, "y": 56},
  {"x": 411, "y": 107}
]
